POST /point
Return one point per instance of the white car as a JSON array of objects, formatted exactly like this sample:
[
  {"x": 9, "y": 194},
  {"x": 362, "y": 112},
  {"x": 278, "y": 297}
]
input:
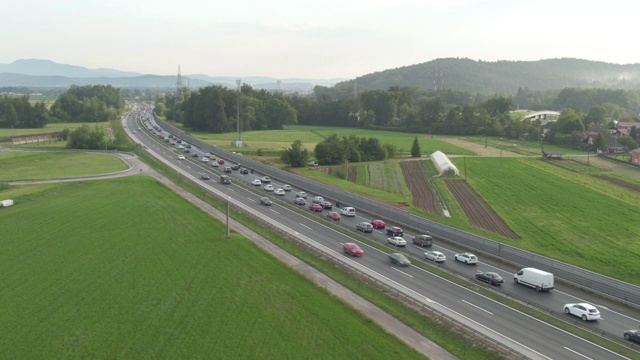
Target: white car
[
  {"x": 215, "y": 164},
  {"x": 582, "y": 310},
  {"x": 256, "y": 182},
  {"x": 181, "y": 147},
  {"x": 318, "y": 199},
  {"x": 266, "y": 179},
  {"x": 397, "y": 241},
  {"x": 204, "y": 159},
  {"x": 301, "y": 194},
  {"x": 279, "y": 192},
  {"x": 207, "y": 154},
  {"x": 348, "y": 211},
  {"x": 467, "y": 258},
  {"x": 286, "y": 187},
  {"x": 268, "y": 187},
  {"x": 435, "y": 256},
  {"x": 181, "y": 157}
]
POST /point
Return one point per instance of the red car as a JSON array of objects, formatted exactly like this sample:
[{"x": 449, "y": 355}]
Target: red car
[
  {"x": 315, "y": 207},
  {"x": 352, "y": 249},
  {"x": 378, "y": 224},
  {"x": 334, "y": 216},
  {"x": 220, "y": 161}
]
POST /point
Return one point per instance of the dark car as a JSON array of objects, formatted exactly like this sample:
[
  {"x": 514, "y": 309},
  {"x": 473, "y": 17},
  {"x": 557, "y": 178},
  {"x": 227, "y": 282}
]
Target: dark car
[
  {"x": 195, "y": 154},
  {"x": 490, "y": 278},
  {"x": 235, "y": 167},
  {"x": 315, "y": 208},
  {"x": 187, "y": 151},
  {"x": 395, "y": 231},
  {"x": 227, "y": 169},
  {"x": 326, "y": 205},
  {"x": 244, "y": 171},
  {"x": 399, "y": 259},
  {"x": 364, "y": 227},
  {"x": 189, "y": 146},
  {"x": 265, "y": 201},
  {"x": 204, "y": 176},
  {"x": 632, "y": 335}
]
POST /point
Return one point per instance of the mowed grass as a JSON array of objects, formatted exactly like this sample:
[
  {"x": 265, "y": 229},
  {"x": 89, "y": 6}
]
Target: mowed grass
[
  {"x": 312, "y": 135},
  {"x": 37, "y": 165},
  {"x": 563, "y": 214},
  {"x": 387, "y": 176},
  {"x": 49, "y": 128},
  {"x": 125, "y": 268}
]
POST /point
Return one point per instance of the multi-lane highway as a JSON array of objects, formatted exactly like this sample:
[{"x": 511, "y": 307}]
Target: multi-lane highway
[{"x": 517, "y": 330}]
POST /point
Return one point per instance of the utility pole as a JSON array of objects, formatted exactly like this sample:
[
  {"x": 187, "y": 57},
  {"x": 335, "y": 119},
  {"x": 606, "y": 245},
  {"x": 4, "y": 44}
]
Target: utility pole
[{"x": 238, "y": 82}]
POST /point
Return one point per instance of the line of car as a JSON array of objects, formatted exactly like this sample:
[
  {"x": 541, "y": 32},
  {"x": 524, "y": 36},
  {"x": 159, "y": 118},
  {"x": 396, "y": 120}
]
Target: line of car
[{"x": 585, "y": 311}]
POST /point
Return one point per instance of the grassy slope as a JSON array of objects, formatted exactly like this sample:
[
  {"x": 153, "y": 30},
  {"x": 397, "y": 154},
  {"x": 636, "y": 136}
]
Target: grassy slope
[
  {"x": 563, "y": 214},
  {"x": 49, "y": 128},
  {"x": 127, "y": 269},
  {"x": 53, "y": 165}
]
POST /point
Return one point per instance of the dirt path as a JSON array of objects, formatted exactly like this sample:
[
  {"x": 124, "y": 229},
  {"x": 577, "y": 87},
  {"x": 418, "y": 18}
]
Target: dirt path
[
  {"x": 423, "y": 195},
  {"x": 479, "y": 148}
]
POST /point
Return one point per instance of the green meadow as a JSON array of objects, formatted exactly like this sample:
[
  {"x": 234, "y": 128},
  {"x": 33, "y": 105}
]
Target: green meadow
[
  {"x": 49, "y": 128},
  {"x": 125, "y": 268},
  {"x": 35, "y": 165}
]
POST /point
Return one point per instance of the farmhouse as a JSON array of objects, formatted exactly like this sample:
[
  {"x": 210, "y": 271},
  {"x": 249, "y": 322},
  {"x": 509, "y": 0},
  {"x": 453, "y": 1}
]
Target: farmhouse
[
  {"x": 635, "y": 157},
  {"x": 443, "y": 164}
]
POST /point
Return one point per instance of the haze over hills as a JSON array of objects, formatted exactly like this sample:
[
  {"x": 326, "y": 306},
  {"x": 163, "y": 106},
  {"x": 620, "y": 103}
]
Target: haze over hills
[
  {"x": 46, "y": 73},
  {"x": 503, "y": 77}
]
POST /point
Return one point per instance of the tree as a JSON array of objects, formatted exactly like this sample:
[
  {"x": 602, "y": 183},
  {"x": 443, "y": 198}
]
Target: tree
[
  {"x": 295, "y": 156},
  {"x": 598, "y": 144},
  {"x": 415, "y": 148}
]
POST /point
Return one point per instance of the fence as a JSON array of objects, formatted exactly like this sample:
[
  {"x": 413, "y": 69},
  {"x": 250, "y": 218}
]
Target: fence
[{"x": 606, "y": 286}]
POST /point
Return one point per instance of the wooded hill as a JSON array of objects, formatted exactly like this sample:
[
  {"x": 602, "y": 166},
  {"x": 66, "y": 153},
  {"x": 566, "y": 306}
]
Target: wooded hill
[{"x": 501, "y": 77}]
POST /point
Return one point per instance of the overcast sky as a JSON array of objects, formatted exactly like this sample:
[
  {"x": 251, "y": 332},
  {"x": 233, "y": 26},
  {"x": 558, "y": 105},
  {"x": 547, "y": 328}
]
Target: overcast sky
[{"x": 312, "y": 39}]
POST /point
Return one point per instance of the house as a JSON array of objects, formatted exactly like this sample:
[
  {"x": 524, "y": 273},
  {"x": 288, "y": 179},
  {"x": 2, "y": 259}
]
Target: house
[{"x": 635, "y": 157}]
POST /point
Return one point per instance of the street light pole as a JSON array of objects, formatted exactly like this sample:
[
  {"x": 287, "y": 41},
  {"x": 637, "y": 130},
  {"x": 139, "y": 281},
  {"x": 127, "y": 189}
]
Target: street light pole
[{"x": 238, "y": 82}]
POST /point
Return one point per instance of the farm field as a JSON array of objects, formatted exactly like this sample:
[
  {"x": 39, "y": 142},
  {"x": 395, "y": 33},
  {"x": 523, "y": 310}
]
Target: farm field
[
  {"x": 128, "y": 269},
  {"x": 562, "y": 214},
  {"x": 38, "y": 165}
]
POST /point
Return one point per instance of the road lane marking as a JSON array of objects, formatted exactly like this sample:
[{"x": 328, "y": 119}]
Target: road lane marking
[
  {"x": 275, "y": 211},
  {"x": 301, "y": 224},
  {"x": 477, "y": 307},
  {"x": 251, "y": 199},
  {"x": 402, "y": 272},
  {"x": 577, "y": 353}
]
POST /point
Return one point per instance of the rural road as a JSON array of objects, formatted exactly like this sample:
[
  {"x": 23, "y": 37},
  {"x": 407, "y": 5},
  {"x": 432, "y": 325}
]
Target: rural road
[{"x": 390, "y": 324}]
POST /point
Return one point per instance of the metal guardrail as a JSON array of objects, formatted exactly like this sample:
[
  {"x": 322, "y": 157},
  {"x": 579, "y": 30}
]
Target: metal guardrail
[{"x": 589, "y": 280}]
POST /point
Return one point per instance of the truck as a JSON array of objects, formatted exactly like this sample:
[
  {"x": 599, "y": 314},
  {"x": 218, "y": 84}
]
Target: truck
[{"x": 535, "y": 278}]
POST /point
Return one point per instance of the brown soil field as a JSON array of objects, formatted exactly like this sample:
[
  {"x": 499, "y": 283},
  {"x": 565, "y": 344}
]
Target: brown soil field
[
  {"x": 423, "y": 195},
  {"x": 480, "y": 214},
  {"x": 619, "y": 182},
  {"x": 353, "y": 174}
]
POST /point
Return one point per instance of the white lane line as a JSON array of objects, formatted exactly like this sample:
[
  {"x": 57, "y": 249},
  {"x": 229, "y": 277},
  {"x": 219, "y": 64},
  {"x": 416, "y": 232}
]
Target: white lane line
[
  {"x": 250, "y": 199},
  {"x": 577, "y": 353},
  {"x": 402, "y": 272},
  {"x": 275, "y": 211},
  {"x": 477, "y": 307},
  {"x": 305, "y": 226}
]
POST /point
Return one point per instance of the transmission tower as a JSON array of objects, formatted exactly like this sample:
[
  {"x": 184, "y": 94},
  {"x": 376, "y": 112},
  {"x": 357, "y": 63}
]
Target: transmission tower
[
  {"x": 179, "y": 86},
  {"x": 438, "y": 82}
]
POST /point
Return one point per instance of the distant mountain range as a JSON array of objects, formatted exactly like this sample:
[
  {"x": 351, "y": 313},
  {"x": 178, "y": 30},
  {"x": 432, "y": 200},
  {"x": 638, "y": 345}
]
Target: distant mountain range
[{"x": 36, "y": 73}]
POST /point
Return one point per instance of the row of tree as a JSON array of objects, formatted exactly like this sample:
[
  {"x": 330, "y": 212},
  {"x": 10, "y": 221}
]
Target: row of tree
[
  {"x": 18, "y": 112},
  {"x": 215, "y": 109},
  {"x": 91, "y": 103}
]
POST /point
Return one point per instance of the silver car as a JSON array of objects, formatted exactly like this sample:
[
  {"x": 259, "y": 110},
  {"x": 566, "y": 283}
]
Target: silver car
[
  {"x": 397, "y": 241},
  {"x": 435, "y": 256}
]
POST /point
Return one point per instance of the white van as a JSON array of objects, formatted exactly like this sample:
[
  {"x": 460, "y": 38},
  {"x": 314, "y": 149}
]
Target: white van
[
  {"x": 535, "y": 278},
  {"x": 348, "y": 211}
]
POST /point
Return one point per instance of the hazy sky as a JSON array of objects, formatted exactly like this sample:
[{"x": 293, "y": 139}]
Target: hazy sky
[{"x": 312, "y": 39}]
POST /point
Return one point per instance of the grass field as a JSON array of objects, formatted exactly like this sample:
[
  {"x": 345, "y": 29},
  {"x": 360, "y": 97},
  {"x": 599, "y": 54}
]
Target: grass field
[
  {"x": 127, "y": 269},
  {"x": 312, "y": 135},
  {"x": 53, "y": 165},
  {"x": 49, "y": 128},
  {"x": 563, "y": 214},
  {"x": 523, "y": 147}
]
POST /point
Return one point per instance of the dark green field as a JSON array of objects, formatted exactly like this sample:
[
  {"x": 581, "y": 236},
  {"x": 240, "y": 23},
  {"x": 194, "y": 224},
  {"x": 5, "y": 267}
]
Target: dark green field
[{"x": 126, "y": 269}]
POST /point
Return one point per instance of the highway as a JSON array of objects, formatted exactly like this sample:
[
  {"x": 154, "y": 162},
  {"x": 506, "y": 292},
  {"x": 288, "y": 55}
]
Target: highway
[{"x": 517, "y": 330}]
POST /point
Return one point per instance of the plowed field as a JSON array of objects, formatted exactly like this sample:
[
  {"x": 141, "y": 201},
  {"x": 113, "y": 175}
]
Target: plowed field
[
  {"x": 423, "y": 195},
  {"x": 619, "y": 182},
  {"x": 480, "y": 214}
]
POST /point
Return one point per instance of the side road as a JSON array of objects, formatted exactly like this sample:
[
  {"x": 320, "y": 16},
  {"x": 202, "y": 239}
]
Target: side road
[{"x": 391, "y": 325}]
